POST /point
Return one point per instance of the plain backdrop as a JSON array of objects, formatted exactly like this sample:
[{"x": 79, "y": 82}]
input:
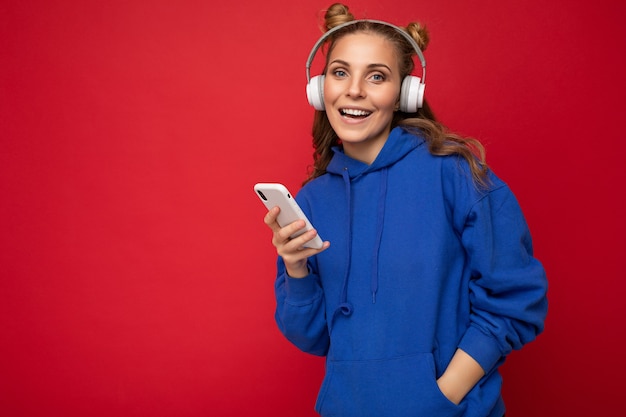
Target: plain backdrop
[{"x": 136, "y": 274}]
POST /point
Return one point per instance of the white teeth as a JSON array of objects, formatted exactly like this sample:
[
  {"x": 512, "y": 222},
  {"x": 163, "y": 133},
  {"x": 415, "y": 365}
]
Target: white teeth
[{"x": 355, "y": 112}]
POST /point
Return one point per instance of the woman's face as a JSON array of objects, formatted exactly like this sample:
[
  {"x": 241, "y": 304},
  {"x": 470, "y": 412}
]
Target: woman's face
[{"x": 361, "y": 92}]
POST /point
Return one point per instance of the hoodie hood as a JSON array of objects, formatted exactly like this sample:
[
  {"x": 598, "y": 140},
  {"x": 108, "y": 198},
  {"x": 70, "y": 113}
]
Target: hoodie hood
[{"x": 398, "y": 145}]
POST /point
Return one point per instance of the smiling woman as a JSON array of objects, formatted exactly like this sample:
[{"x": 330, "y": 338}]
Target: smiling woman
[{"x": 430, "y": 281}]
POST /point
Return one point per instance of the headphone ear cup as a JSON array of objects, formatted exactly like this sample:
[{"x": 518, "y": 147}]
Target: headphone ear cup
[
  {"x": 315, "y": 92},
  {"x": 411, "y": 94}
]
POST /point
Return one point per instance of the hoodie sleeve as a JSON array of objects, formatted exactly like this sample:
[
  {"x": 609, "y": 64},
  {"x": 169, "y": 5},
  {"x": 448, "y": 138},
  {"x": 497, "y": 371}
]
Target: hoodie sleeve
[
  {"x": 300, "y": 311},
  {"x": 508, "y": 285}
]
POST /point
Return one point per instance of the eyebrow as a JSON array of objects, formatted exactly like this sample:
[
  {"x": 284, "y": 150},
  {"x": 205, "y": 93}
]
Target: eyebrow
[{"x": 346, "y": 64}]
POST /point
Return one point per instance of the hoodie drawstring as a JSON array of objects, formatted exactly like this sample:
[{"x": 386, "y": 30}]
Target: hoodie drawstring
[
  {"x": 344, "y": 306},
  {"x": 380, "y": 216}
]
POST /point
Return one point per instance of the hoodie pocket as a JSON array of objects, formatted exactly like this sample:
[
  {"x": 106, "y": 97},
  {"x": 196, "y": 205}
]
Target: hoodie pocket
[{"x": 398, "y": 387}]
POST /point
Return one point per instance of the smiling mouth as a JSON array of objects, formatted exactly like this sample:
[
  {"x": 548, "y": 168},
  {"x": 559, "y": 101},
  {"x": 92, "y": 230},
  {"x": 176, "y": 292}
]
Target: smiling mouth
[{"x": 355, "y": 113}]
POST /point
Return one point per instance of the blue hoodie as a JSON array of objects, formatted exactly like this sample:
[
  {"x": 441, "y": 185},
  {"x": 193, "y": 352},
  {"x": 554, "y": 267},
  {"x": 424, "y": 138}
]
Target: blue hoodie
[{"x": 421, "y": 262}]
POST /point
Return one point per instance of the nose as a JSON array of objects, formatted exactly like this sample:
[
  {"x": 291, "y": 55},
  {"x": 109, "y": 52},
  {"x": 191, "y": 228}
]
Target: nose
[{"x": 356, "y": 88}]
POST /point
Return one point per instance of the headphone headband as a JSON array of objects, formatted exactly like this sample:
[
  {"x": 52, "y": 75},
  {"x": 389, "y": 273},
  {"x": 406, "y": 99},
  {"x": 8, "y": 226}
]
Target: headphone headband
[{"x": 353, "y": 22}]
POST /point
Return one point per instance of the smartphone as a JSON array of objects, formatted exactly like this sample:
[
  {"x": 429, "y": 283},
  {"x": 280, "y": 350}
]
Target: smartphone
[{"x": 275, "y": 194}]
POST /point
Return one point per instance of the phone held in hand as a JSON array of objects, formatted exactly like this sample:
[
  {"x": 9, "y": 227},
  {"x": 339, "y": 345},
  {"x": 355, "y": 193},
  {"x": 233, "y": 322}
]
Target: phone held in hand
[{"x": 275, "y": 194}]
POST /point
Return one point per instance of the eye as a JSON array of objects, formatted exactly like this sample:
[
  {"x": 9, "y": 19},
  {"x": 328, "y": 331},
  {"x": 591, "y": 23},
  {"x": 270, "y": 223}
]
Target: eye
[
  {"x": 377, "y": 77},
  {"x": 339, "y": 73}
]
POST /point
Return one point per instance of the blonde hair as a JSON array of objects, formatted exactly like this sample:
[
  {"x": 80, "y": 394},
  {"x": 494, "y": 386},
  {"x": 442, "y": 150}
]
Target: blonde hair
[{"x": 441, "y": 142}]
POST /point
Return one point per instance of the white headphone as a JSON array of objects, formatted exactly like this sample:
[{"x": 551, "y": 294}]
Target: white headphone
[{"x": 411, "y": 93}]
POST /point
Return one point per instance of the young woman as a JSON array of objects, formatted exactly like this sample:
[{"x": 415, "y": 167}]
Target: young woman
[{"x": 430, "y": 281}]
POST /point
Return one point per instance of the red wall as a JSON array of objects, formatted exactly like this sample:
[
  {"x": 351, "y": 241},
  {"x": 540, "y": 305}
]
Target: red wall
[{"x": 136, "y": 275}]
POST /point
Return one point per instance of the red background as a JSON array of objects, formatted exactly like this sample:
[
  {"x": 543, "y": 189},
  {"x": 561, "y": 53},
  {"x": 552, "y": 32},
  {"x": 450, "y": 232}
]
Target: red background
[{"x": 136, "y": 273}]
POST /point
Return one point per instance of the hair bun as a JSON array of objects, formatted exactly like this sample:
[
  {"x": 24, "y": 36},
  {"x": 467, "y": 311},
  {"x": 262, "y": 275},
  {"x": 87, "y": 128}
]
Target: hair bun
[
  {"x": 336, "y": 15},
  {"x": 419, "y": 33}
]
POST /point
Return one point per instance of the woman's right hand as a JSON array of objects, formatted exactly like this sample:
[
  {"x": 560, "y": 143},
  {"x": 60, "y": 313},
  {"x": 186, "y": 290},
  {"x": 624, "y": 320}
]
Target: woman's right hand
[{"x": 292, "y": 251}]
